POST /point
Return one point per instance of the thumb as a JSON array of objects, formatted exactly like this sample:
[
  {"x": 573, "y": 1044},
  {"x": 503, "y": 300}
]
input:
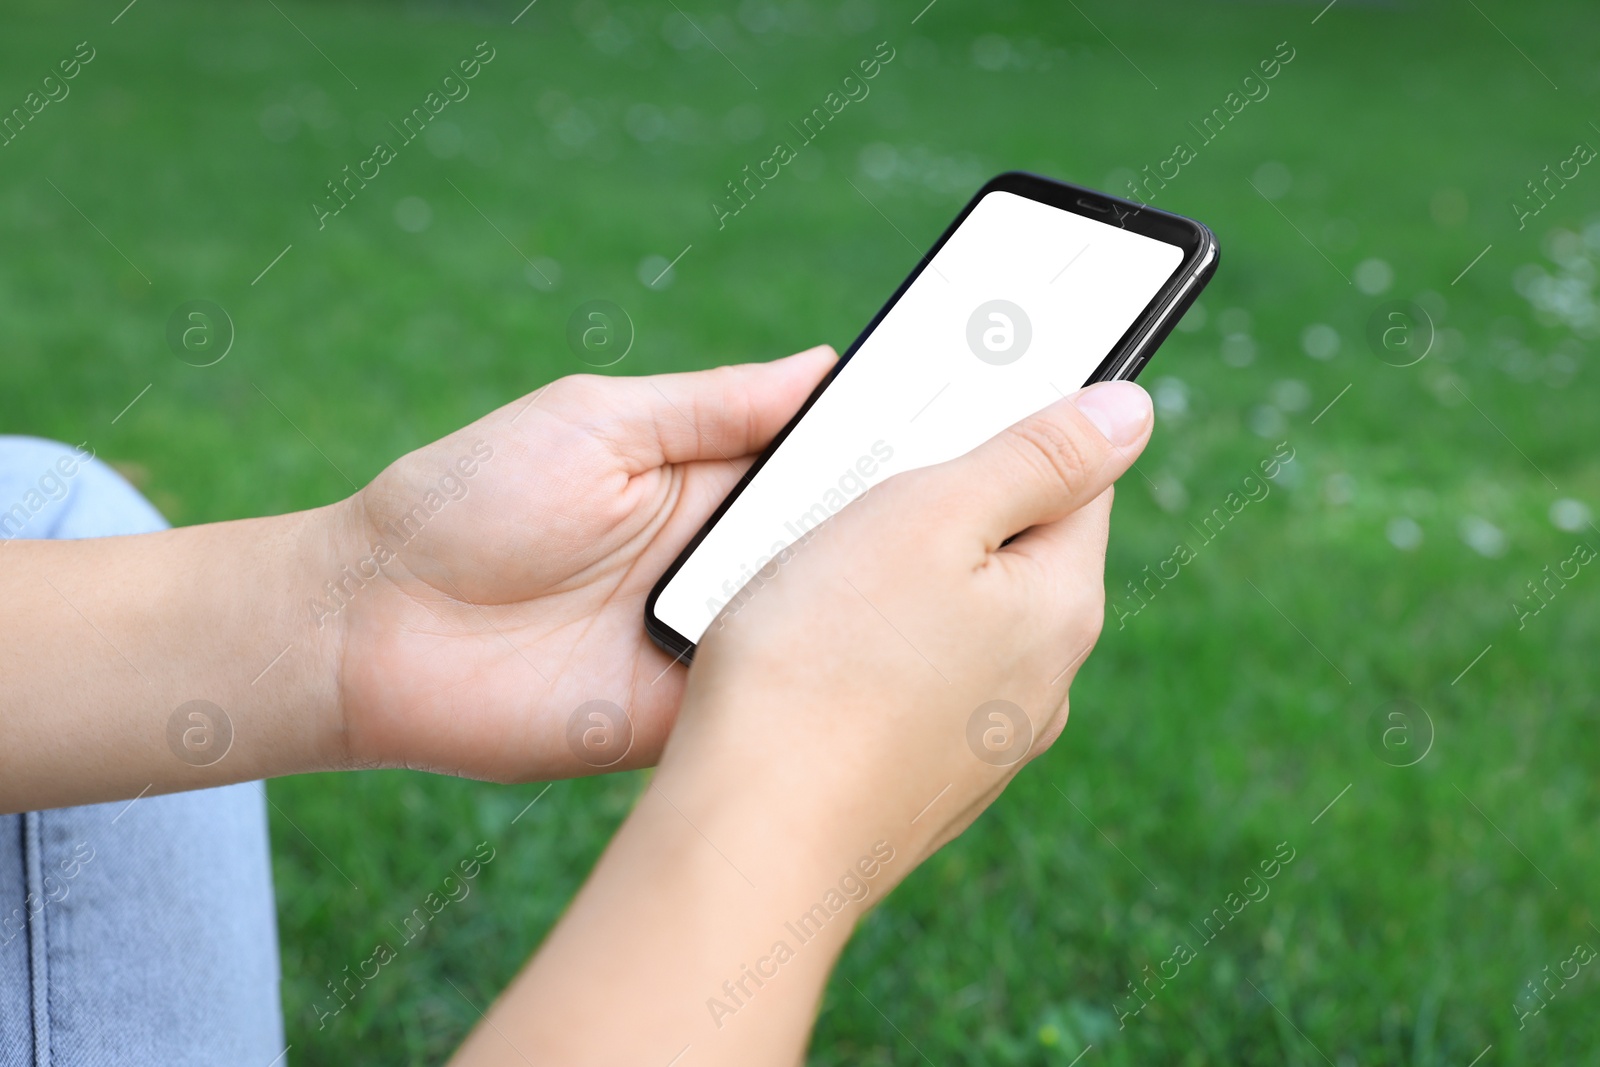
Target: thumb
[
  {"x": 725, "y": 412},
  {"x": 1053, "y": 462}
]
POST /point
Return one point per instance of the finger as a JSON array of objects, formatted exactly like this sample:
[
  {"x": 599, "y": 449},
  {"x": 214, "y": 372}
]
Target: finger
[
  {"x": 1066, "y": 562},
  {"x": 725, "y": 412},
  {"x": 1070, "y": 543},
  {"x": 1053, "y": 462},
  {"x": 708, "y": 486}
]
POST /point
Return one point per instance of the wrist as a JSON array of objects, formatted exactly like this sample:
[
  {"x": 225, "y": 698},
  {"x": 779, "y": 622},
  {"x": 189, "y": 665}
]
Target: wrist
[
  {"x": 278, "y": 660},
  {"x": 753, "y": 780},
  {"x": 323, "y": 576},
  {"x": 285, "y": 680},
  {"x": 818, "y": 865}
]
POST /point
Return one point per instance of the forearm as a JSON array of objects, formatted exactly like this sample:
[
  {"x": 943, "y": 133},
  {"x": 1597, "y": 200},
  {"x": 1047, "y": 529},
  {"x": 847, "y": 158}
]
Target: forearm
[
  {"x": 103, "y": 641},
  {"x": 706, "y": 925}
]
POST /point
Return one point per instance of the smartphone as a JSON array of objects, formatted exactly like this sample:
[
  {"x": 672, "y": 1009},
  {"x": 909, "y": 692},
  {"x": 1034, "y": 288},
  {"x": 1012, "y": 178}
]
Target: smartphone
[{"x": 1037, "y": 289}]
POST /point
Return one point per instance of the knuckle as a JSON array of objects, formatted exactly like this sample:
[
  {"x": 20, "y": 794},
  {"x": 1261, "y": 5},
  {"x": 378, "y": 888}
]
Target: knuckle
[
  {"x": 1054, "y": 450},
  {"x": 575, "y": 388},
  {"x": 1089, "y": 613},
  {"x": 1049, "y": 735},
  {"x": 916, "y": 495},
  {"x": 1094, "y": 618}
]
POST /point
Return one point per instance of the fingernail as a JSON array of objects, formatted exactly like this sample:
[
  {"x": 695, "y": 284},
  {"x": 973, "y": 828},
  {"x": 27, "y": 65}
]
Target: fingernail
[{"x": 1119, "y": 410}]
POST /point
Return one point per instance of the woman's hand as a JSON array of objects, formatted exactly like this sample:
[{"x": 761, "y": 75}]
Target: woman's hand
[
  {"x": 497, "y": 577},
  {"x": 912, "y": 658},
  {"x": 453, "y": 615},
  {"x": 862, "y": 708}
]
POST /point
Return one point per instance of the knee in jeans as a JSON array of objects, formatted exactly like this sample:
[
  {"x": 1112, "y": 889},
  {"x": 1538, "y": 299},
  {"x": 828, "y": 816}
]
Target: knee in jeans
[{"x": 53, "y": 490}]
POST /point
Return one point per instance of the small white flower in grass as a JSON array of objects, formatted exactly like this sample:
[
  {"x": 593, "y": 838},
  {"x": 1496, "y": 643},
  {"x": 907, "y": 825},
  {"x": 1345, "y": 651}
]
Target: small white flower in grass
[
  {"x": 1234, "y": 320},
  {"x": 1171, "y": 398},
  {"x": 412, "y": 214},
  {"x": 1266, "y": 421},
  {"x": 1272, "y": 180},
  {"x": 1404, "y": 533},
  {"x": 656, "y": 272},
  {"x": 1238, "y": 350},
  {"x": 1291, "y": 394},
  {"x": 1569, "y": 515},
  {"x": 1484, "y": 537},
  {"x": 1320, "y": 341},
  {"x": 991, "y": 52},
  {"x": 543, "y": 273},
  {"x": 1374, "y": 276}
]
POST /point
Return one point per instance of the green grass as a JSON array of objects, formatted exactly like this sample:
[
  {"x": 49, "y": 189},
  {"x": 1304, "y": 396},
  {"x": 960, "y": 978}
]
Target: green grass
[{"x": 1217, "y": 724}]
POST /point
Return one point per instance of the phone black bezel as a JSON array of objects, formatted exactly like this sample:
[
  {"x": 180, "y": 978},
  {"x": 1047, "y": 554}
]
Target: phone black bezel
[{"x": 1125, "y": 360}]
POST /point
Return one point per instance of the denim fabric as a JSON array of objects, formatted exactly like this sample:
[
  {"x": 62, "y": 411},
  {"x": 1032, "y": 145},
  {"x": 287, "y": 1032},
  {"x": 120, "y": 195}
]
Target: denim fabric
[{"x": 137, "y": 932}]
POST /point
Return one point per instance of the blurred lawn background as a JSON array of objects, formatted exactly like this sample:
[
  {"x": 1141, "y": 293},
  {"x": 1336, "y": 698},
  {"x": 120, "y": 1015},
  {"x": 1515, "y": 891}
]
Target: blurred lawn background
[{"x": 1217, "y": 723}]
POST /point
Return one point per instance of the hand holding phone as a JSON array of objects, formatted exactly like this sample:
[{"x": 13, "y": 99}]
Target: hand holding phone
[
  {"x": 1035, "y": 290},
  {"x": 814, "y": 766},
  {"x": 893, "y": 637}
]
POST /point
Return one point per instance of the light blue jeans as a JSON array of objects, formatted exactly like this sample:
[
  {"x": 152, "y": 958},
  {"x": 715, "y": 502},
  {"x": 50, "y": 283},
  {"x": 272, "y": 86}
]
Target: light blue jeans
[{"x": 130, "y": 933}]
